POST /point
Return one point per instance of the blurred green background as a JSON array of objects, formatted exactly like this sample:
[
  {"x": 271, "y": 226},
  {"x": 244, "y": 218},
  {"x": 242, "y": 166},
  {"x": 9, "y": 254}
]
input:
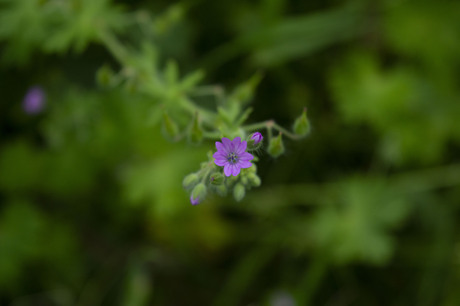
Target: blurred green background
[{"x": 364, "y": 211}]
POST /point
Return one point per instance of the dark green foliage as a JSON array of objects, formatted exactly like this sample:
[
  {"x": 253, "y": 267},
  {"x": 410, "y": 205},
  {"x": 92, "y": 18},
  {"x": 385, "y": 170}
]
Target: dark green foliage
[{"x": 361, "y": 210}]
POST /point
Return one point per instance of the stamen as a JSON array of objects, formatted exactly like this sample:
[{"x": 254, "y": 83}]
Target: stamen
[{"x": 232, "y": 158}]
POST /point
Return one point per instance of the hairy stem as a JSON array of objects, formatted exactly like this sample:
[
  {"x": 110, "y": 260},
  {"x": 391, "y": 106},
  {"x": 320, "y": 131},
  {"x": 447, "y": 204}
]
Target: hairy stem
[{"x": 269, "y": 124}]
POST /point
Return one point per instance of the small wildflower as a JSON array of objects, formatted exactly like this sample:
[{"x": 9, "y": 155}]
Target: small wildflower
[
  {"x": 257, "y": 137},
  {"x": 194, "y": 201},
  {"x": 34, "y": 100},
  {"x": 232, "y": 155}
]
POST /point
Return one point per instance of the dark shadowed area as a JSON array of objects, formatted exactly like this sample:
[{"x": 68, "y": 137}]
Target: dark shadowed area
[{"x": 107, "y": 105}]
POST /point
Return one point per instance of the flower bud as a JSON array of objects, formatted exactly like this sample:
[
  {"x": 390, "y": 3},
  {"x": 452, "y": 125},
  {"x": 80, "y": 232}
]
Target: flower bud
[
  {"x": 216, "y": 178},
  {"x": 239, "y": 192},
  {"x": 301, "y": 125},
  {"x": 190, "y": 180},
  {"x": 254, "y": 180},
  {"x": 221, "y": 190},
  {"x": 199, "y": 192},
  {"x": 194, "y": 201},
  {"x": 276, "y": 146},
  {"x": 255, "y": 141},
  {"x": 257, "y": 137},
  {"x": 195, "y": 131},
  {"x": 169, "y": 127}
]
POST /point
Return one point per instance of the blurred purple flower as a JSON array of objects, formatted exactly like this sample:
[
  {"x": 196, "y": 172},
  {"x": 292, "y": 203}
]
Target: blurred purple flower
[
  {"x": 232, "y": 155},
  {"x": 194, "y": 201},
  {"x": 257, "y": 137},
  {"x": 34, "y": 100}
]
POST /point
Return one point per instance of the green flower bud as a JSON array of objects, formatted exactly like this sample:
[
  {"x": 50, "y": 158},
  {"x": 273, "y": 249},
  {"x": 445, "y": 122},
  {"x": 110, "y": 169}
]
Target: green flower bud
[
  {"x": 301, "y": 125},
  {"x": 216, "y": 178},
  {"x": 239, "y": 192},
  {"x": 104, "y": 76},
  {"x": 190, "y": 180},
  {"x": 276, "y": 146},
  {"x": 195, "y": 131},
  {"x": 254, "y": 180},
  {"x": 254, "y": 141},
  {"x": 221, "y": 190},
  {"x": 244, "y": 180},
  {"x": 199, "y": 192},
  {"x": 169, "y": 127}
]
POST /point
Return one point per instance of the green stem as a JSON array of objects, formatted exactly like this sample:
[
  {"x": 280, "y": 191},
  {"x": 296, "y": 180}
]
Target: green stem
[
  {"x": 269, "y": 124},
  {"x": 270, "y": 133},
  {"x": 311, "y": 281},
  {"x": 257, "y": 126},
  {"x": 209, "y": 90},
  {"x": 286, "y": 132},
  {"x": 207, "y": 115},
  {"x": 114, "y": 46},
  {"x": 207, "y": 171}
]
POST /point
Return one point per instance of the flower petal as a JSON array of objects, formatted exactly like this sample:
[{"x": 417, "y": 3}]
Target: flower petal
[
  {"x": 241, "y": 147},
  {"x": 244, "y": 164},
  {"x": 194, "y": 201},
  {"x": 227, "y": 144},
  {"x": 220, "y": 162},
  {"x": 235, "y": 170},
  {"x": 228, "y": 169},
  {"x": 245, "y": 156},
  {"x": 219, "y": 155},
  {"x": 220, "y": 146}
]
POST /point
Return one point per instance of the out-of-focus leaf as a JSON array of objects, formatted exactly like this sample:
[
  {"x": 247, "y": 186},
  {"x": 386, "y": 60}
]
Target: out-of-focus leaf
[
  {"x": 21, "y": 167},
  {"x": 398, "y": 104},
  {"x": 28, "y": 238},
  {"x": 139, "y": 287},
  {"x": 300, "y": 36},
  {"x": 357, "y": 227}
]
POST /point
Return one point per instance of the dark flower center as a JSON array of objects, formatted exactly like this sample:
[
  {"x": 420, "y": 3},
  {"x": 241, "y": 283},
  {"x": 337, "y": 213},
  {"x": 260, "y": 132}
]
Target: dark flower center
[{"x": 232, "y": 158}]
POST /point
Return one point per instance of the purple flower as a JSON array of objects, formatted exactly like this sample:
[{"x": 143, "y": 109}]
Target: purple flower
[
  {"x": 194, "y": 201},
  {"x": 232, "y": 155},
  {"x": 257, "y": 137},
  {"x": 34, "y": 100}
]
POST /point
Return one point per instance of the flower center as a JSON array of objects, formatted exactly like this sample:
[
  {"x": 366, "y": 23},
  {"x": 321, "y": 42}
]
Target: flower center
[{"x": 232, "y": 158}]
